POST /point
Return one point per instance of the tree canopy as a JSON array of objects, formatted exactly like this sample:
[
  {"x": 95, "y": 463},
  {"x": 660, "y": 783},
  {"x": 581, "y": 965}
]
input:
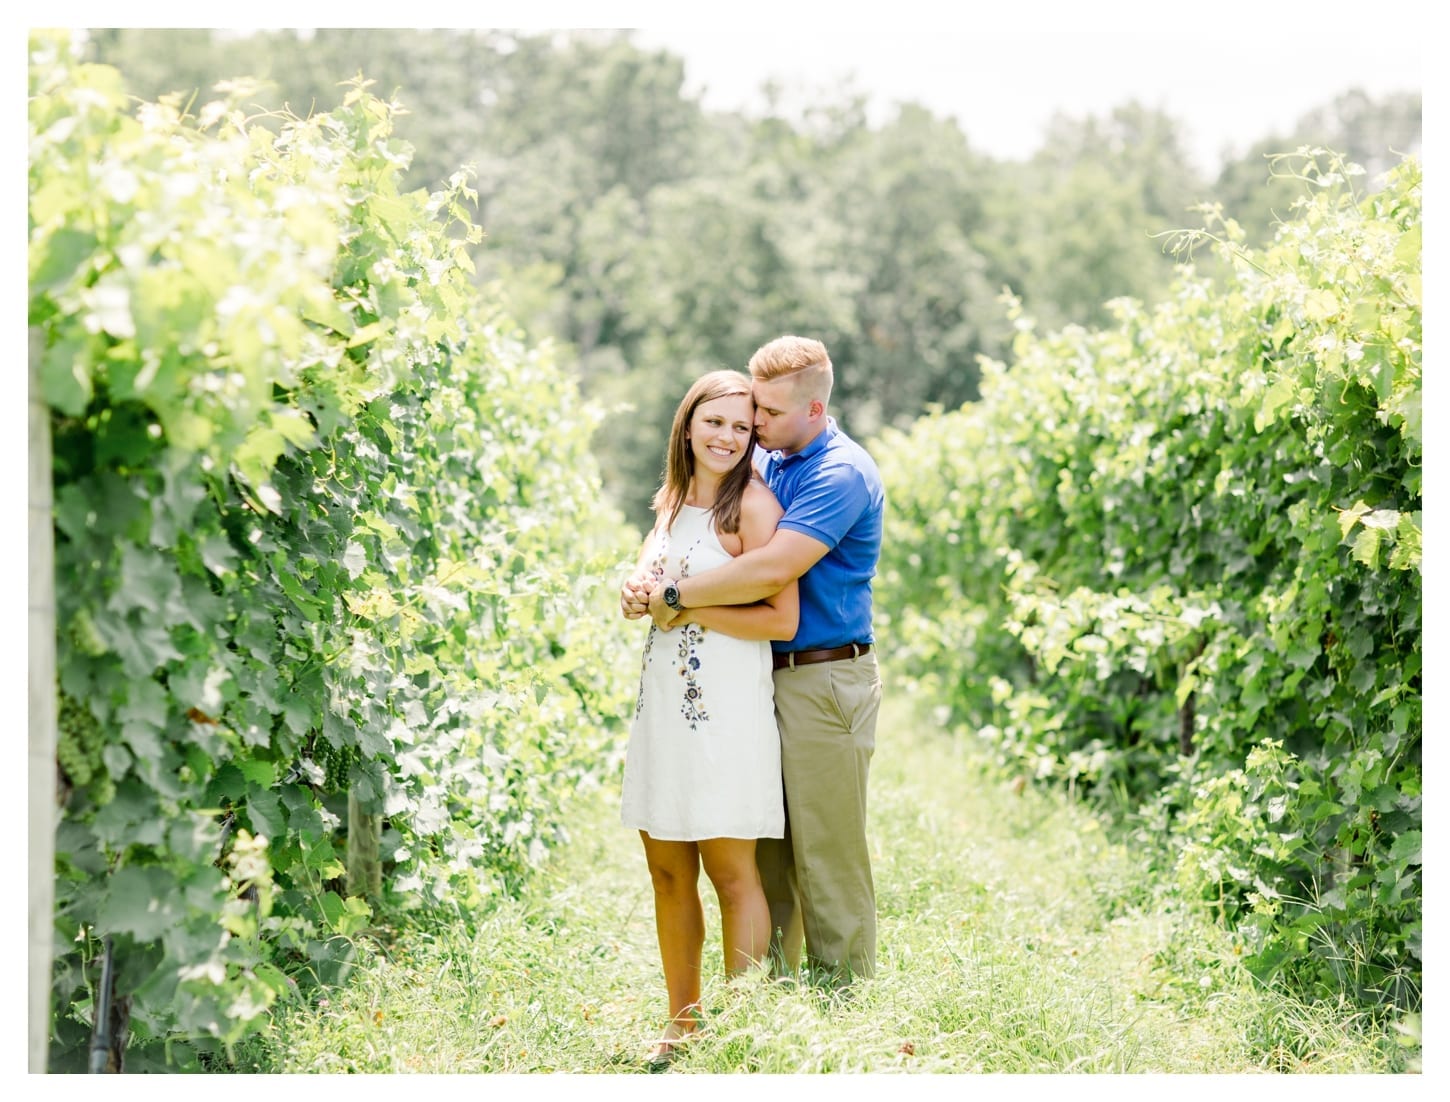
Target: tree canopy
[{"x": 653, "y": 240}]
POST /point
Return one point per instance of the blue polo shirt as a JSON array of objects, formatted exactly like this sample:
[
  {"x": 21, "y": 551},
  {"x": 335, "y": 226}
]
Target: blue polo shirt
[{"x": 831, "y": 491}]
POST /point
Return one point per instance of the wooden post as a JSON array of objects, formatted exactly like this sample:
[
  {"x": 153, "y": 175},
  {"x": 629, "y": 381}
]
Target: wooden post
[
  {"x": 42, "y": 702},
  {"x": 364, "y": 847}
]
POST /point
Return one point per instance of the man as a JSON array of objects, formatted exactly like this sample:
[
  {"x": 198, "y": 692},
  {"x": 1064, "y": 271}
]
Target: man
[{"x": 827, "y": 684}]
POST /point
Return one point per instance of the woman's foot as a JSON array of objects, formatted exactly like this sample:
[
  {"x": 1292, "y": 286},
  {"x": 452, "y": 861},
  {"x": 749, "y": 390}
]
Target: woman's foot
[
  {"x": 678, "y": 1033},
  {"x": 662, "y": 1054}
]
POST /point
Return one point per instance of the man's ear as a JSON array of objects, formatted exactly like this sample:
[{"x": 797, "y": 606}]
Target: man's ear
[{"x": 817, "y": 407}]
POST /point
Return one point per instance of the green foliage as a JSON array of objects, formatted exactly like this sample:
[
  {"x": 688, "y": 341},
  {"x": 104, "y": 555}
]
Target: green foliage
[
  {"x": 1176, "y": 563},
  {"x": 324, "y": 524}
]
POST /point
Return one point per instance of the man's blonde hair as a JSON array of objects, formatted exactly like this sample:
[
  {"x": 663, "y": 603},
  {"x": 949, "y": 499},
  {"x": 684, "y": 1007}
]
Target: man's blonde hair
[{"x": 801, "y": 359}]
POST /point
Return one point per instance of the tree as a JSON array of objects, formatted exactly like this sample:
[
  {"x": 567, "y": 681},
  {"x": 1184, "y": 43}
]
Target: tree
[
  {"x": 1074, "y": 225},
  {"x": 906, "y": 209}
]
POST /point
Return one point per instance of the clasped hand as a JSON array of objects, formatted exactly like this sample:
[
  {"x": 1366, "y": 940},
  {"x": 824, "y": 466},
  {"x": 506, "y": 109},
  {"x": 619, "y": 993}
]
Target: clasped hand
[{"x": 642, "y": 594}]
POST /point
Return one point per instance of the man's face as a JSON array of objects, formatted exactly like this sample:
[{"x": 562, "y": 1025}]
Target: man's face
[{"x": 782, "y": 418}]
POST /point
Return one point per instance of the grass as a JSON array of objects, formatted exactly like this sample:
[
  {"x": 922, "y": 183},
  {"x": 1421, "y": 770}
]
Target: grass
[{"x": 1015, "y": 937}]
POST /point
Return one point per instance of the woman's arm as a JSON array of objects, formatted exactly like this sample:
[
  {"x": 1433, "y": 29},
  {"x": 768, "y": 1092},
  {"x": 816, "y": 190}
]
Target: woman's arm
[{"x": 775, "y": 616}]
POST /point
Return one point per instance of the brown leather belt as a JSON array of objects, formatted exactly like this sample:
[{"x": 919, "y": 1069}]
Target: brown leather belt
[{"x": 796, "y": 658}]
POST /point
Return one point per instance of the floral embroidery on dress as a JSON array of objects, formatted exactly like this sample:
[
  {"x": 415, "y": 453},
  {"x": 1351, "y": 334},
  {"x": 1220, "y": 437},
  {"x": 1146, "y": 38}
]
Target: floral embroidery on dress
[
  {"x": 692, "y": 704},
  {"x": 657, "y": 568},
  {"x": 649, "y": 642},
  {"x": 691, "y": 707}
]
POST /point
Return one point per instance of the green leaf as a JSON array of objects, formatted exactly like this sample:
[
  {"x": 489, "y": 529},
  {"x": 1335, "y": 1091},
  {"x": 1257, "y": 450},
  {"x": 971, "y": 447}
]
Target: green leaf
[
  {"x": 167, "y": 303},
  {"x": 325, "y": 310},
  {"x": 1348, "y": 518},
  {"x": 1381, "y": 518},
  {"x": 275, "y": 978},
  {"x": 56, "y": 258},
  {"x": 264, "y": 810},
  {"x": 296, "y": 429},
  {"x": 147, "y": 704},
  {"x": 130, "y": 819},
  {"x": 262, "y": 774},
  {"x": 345, "y": 916},
  {"x": 65, "y": 376},
  {"x": 1409, "y": 248},
  {"x": 1407, "y": 848},
  {"x": 368, "y": 333},
  {"x": 1320, "y": 305},
  {"x": 300, "y": 596},
  {"x": 142, "y": 902},
  {"x": 227, "y": 785},
  {"x": 217, "y": 554},
  {"x": 1276, "y": 397},
  {"x": 1366, "y": 548},
  {"x": 143, "y": 739},
  {"x": 258, "y": 454},
  {"x": 333, "y": 908},
  {"x": 297, "y": 713},
  {"x": 354, "y": 559},
  {"x": 143, "y": 648},
  {"x": 148, "y": 582}
]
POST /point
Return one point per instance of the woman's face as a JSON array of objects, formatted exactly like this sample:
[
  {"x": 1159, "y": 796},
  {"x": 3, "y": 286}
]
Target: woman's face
[{"x": 719, "y": 432}]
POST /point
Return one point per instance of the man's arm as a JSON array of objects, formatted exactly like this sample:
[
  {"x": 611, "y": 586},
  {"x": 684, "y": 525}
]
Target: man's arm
[
  {"x": 776, "y": 616},
  {"x": 750, "y": 577}
]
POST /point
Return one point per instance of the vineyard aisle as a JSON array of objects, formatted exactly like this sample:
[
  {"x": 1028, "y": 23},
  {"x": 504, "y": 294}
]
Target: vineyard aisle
[{"x": 1015, "y": 937}]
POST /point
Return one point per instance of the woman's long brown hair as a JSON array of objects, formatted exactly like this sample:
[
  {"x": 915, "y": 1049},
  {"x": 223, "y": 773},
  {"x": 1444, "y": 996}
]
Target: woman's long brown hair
[{"x": 680, "y": 460}]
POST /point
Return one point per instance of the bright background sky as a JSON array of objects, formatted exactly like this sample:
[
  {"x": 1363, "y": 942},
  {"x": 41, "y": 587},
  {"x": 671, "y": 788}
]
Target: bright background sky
[
  {"x": 1004, "y": 85},
  {"x": 1230, "y": 71}
]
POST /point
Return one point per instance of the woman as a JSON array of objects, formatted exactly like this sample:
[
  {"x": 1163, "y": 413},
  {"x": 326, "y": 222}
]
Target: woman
[{"x": 702, "y": 773}]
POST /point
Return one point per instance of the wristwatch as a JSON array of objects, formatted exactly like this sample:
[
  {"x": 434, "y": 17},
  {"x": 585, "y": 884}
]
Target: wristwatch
[{"x": 671, "y": 595}]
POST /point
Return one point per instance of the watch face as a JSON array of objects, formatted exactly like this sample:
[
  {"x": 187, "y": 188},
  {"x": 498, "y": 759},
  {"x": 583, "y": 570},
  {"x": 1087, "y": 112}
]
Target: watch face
[{"x": 672, "y": 596}]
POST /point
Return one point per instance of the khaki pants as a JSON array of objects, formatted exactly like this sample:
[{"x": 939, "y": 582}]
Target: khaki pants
[{"x": 817, "y": 878}]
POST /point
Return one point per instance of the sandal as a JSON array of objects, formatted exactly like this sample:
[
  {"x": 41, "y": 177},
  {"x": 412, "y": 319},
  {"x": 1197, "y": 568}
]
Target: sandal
[
  {"x": 667, "y": 1050},
  {"x": 661, "y": 1056}
]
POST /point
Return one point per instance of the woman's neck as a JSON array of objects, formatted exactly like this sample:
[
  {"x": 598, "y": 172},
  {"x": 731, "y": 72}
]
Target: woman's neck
[{"x": 702, "y": 491}]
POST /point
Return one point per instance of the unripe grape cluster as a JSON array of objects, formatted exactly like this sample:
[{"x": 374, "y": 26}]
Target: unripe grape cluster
[{"x": 78, "y": 745}]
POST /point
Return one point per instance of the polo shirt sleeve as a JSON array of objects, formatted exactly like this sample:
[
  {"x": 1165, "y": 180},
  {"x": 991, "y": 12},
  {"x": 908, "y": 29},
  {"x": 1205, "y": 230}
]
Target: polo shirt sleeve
[{"x": 827, "y": 503}]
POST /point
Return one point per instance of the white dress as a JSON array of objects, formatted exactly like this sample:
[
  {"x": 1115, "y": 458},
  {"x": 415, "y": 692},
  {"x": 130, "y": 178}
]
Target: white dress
[{"x": 704, "y": 750}]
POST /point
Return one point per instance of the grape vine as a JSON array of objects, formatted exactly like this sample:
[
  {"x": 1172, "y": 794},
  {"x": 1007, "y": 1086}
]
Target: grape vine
[
  {"x": 1177, "y": 561},
  {"x": 328, "y": 533}
]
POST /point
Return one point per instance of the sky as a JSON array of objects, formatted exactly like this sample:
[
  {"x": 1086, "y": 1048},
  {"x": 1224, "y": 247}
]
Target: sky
[
  {"x": 1003, "y": 85},
  {"x": 1231, "y": 71}
]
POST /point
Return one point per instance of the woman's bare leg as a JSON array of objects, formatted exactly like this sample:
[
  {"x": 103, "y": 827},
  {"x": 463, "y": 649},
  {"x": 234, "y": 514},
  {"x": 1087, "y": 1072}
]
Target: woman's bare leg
[
  {"x": 744, "y": 913},
  {"x": 674, "y": 869}
]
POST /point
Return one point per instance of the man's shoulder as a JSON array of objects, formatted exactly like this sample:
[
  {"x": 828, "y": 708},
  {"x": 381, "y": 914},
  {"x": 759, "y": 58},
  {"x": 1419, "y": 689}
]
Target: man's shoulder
[
  {"x": 844, "y": 477},
  {"x": 843, "y": 455}
]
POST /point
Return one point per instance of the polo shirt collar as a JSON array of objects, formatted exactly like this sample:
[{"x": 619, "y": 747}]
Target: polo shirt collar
[{"x": 819, "y": 444}]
